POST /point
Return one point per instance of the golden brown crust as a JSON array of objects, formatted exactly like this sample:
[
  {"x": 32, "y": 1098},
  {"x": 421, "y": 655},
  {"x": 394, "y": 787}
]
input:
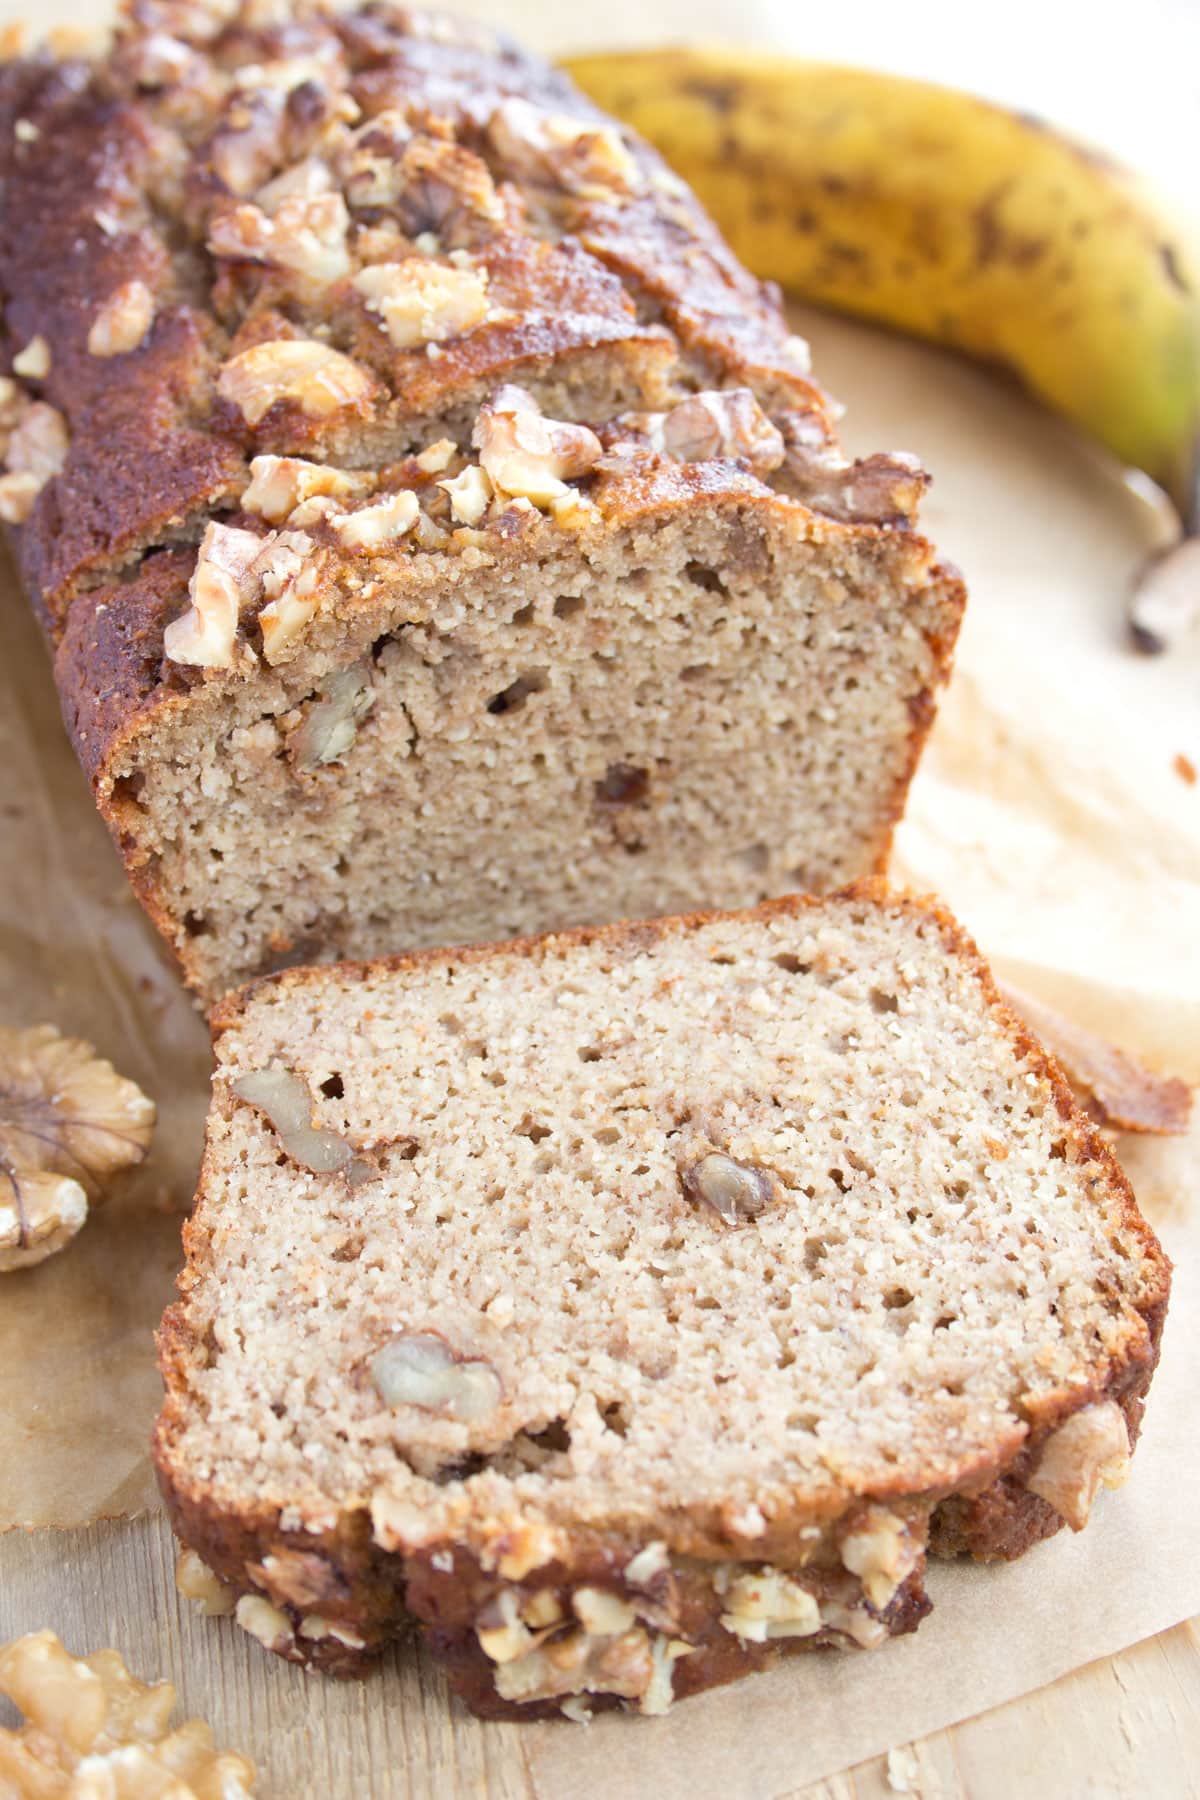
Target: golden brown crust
[{"x": 991, "y": 1513}]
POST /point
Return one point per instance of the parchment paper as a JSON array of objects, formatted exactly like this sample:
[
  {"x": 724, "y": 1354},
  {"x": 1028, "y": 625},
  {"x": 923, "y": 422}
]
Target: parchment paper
[{"x": 1051, "y": 815}]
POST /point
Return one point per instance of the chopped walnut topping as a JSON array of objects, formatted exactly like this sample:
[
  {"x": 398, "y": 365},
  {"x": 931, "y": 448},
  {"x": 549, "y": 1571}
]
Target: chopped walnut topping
[
  {"x": 725, "y": 423},
  {"x": 470, "y": 494},
  {"x": 306, "y": 235},
  {"x": 526, "y": 454},
  {"x": 664, "y": 1653},
  {"x": 1089, "y": 1451},
  {"x": 223, "y": 580},
  {"x": 419, "y": 1369},
  {"x": 94, "y": 1732},
  {"x": 735, "y": 1191},
  {"x": 122, "y": 321},
  {"x": 375, "y": 527},
  {"x": 291, "y": 580},
  {"x": 68, "y": 1124},
  {"x": 17, "y": 495},
  {"x": 279, "y": 484},
  {"x": 38, "y": 445},
  {"x": 196, "y": 1581},
  {"x": 877, "y": 490},
  {"x": 579, "y": 155},
  {"x": 33, "y": 362},
  {"x": 653, "y": 1560},
  {"x": 437, "y": 456},
  {"x": 305, "y": 180},
  {"x": 502, "y": 1632},
  {"x": 272, "y": 1628},
  {"x": 579, "y": 1664},
  {"x": 882, "y": 1552},
  {"x": 285, "y": 1100},
  {"x": 369, "y": 161},
  {"x": 854, "y": 1622},
  {"x": 767, "y": 1604},
  {"x": 313, "y": 1625},
  {"x": 423, "y": 302},
  {"x": 300, "y": 1578},
  {"x": 320, "y": 380},
  {"x": 602, "y": 1613}
]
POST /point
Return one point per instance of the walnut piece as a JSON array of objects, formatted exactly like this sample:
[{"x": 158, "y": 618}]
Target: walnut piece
[
  {"x": 735, "y": 1191},
  {"x": 321, "y": 381},
  {"x": 122, "y": 321},
  {"x": 94, "y": 1732},
  {"x": 68, "y": 1124},
  {"x": 875, "y": 490},
  {"x": 578, "y": 155},
  {"x": 470, "y": 494},
  {"x": 332, "y": 722},
  {"x": 36, "y": 450},
  {"x": 223, "y": 581},
  {"x": 261, "y": 1620},
  {"x": 1088, "y": 1451},
  {"x": 375, "y": 527},
  {"x": 767, "y": 1604},
  {"x": 304, "y": 233},
  {"x": 17, "y": 495},
  {"x": 291, "y": 579},
  {"x": 654, "y": 1559},
  {"x": 882, "y": 1552},
  {"x": 279, "y": 484},
  {"x": 524, "y": 453},
  {"x": 423, "y": 302},
  {"x": 196, "y": 1581},
  {"x": 33, "y": 363},
  {"x": 284, "y": 1100},
  {"x": 437, "y": 456},
  {"x": 727, "y": 423},
  {"x": 419, "y": 1369}
]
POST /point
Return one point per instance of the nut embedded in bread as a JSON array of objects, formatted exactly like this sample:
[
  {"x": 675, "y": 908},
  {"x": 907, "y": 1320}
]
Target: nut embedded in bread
[
  {"x": 359, "y": 349},
  {"x": 660, "y": 1296}
]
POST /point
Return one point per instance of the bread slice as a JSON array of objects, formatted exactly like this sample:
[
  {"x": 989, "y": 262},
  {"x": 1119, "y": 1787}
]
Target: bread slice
[
  {"x": 439, "y": 533},
  {"x": 632, "y": 1306}
]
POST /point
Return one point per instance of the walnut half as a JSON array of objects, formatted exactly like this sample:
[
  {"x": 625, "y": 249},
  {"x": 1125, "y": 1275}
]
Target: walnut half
[
  {"x": 93, "y": 1729},
  {"x": 68, "y": 1123},
  {"x": 1089, "y": 1451}
]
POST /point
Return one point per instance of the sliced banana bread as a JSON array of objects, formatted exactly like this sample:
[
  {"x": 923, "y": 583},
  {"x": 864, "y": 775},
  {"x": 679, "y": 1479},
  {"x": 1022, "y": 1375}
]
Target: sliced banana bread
[
  {"x": 439, "y": 532},
  {"x": 634, "y": 1305}
]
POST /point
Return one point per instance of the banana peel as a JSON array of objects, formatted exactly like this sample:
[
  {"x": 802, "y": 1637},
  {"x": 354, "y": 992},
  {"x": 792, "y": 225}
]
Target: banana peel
[{"x": 938, "y": 214}]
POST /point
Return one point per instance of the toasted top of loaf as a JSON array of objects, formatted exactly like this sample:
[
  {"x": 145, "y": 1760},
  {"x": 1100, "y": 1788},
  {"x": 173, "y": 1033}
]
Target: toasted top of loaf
[
  {"x": 693, "y": 1230},
  {"x": 278, "y": 230}
]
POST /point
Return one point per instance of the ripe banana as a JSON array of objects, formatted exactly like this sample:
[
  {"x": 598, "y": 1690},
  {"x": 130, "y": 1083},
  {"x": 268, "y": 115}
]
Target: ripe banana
[{"x": 940, "y": 215}]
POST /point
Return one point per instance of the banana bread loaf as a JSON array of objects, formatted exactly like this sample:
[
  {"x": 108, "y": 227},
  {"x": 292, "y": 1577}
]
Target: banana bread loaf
[
  {"x": 632, "y": 1306},
  {"x": 439, "y": 532}
]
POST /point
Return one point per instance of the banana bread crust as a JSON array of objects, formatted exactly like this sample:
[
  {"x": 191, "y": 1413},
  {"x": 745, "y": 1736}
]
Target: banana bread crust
[
  {"x": 118, "y": 170},
  {"x": 374, "y": 1594}
]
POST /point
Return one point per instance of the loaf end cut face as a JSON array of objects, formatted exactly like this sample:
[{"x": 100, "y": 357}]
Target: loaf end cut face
[
  {"x": 439, "y": 533},
  {"x": 631, "y": 1307}
]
